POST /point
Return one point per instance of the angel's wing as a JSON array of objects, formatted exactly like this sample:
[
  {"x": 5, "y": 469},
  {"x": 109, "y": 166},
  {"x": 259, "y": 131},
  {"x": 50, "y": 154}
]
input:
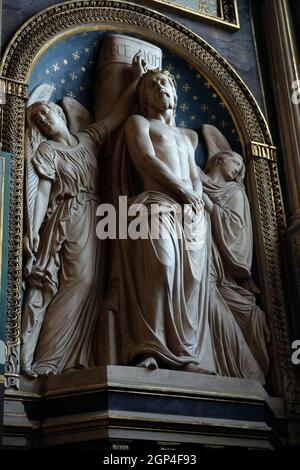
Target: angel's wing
[
  {"x": 192, "y": 135},
  {"x": 31, "y": 180},
  {"x": 32, "y": 141},
  {"x": 33, "y": 138},
  {"x": 214, "y": 139},
  {"x": 42, "y": 92},
  {"x": 78, "y": 116}
]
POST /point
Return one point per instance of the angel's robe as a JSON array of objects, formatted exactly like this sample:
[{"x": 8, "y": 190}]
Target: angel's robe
[
  {"x": 162, "y": 279},
  {"x": 239, "y": 328},
  {"x": 65, "y": 287}
]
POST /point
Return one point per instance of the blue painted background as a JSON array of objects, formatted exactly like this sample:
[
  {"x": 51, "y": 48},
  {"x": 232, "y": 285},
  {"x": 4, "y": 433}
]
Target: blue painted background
[
  {"x": 235, "y": 46},
  {"x": 70, "y": 68}
]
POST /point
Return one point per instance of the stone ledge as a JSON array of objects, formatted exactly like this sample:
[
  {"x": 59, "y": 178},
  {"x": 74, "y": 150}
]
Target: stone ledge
[
  {"x": 113, "y": 401},
  {"x": 124, "y": 377}
]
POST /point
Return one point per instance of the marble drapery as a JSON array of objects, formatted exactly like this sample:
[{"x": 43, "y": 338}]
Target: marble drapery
[
  {"x": 67, "y": 274},
  {"x": 162, "y": 283},
  {"x": 239, "y": 329}
]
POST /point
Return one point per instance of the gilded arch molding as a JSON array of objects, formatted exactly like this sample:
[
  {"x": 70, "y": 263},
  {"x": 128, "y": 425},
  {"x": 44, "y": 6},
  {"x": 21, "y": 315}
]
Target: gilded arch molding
[{"x": 263, "y": 183}]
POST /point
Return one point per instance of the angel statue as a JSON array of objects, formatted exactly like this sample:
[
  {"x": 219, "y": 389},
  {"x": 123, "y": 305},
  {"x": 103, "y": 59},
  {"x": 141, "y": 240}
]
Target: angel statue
[
  {"x": 65, "y": 257},
  {"x": 238, "y": 326}
]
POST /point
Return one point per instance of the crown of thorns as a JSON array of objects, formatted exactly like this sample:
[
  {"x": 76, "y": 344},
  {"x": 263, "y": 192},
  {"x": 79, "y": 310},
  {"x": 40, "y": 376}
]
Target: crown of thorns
[{"x": 153, "y": 72}]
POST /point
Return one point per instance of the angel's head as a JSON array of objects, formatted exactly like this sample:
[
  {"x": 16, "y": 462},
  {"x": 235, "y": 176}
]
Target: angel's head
[
  {"x": 157, "y": 89},
  {"x": 48, "y": 117},
  {"x": 228, "y": 165}
]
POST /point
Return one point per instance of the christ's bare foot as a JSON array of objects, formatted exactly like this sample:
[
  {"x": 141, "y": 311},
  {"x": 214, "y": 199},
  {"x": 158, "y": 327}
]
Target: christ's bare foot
[
  {"x": 149, "y": 363},
  {"x": 44, "y": 370}
]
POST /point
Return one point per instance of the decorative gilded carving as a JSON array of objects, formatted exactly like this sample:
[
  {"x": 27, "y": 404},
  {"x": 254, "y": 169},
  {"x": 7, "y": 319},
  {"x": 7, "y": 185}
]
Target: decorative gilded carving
[
  {"x": 12, "y": 379},
  {"x": 13, "y": 141},
  {"x": 12, "y": 87},
  {"x": 259, "y": 150},
  {"x": 43, "y": 30}
]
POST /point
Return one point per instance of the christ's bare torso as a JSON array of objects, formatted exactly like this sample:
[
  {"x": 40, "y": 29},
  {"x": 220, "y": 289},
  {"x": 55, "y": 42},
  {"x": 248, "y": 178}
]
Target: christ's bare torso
[{"x": 172, "y": 147}]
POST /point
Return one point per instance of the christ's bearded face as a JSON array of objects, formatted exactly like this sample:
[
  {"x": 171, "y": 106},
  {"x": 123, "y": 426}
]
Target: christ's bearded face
[{"x": 159, "y": 92}]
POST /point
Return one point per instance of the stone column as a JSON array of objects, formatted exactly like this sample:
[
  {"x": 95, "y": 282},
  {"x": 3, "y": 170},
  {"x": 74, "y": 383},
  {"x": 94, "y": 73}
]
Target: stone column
[
  {"x": 282, "y": 50},
  {"x": 114, "y": 68}
]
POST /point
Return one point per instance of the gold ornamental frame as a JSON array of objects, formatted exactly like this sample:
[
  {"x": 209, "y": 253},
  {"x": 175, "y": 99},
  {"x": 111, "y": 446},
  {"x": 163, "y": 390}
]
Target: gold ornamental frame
[
  {"x": 229, "y": 15},
  {"x": 263, "y": 185}
]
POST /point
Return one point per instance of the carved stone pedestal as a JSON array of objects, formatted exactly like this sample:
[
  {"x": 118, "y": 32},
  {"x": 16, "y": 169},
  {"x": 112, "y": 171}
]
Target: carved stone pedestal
[{"x": 122, "y": 407}]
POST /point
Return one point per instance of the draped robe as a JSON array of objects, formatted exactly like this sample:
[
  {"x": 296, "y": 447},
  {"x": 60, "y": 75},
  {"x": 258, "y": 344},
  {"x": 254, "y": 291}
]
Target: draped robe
[
  {"x": 65, "y": 286},
  {"x": 239, "y": 329},
  {"x": 163, "y": 302}
]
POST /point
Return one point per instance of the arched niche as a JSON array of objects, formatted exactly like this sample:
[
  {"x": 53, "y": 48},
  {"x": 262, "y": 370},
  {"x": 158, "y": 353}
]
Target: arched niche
[{"x": 51, "y": 25}]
